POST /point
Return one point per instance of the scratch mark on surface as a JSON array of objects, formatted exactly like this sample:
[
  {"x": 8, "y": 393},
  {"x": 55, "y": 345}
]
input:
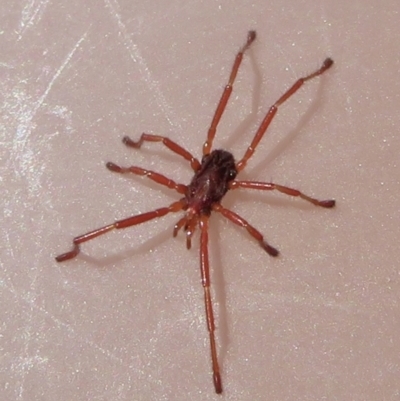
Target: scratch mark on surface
[
  {"x": 136, "y": 57},
  {"x": 31, "y": 15},
  {"x": 22, "y": 155},
  {"x": 9, "y": 246},
  {"x": 59, "y": 71}
]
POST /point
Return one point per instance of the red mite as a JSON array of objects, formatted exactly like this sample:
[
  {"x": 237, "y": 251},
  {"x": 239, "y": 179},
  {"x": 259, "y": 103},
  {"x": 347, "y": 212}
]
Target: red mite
[{"x": 213, "y": 177}]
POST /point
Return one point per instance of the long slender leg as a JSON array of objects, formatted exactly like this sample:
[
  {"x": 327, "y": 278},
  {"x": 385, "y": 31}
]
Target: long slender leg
[
  {"x": 190, "y": 228},
  {"x": 159, "y": 178},
  {"x": 181, "y": 222},
  {"x": 168, "y": 143},
  {"x": 205, "y": 279},
  {"x": 130, "y": 221},
  {"x": 240, "y": 221},
  {"x": 189, "y": 223},
  {"x": 269, "y": 186},
  {"x": 226, "y": 93},
  {"x": 273, "y": 109}
]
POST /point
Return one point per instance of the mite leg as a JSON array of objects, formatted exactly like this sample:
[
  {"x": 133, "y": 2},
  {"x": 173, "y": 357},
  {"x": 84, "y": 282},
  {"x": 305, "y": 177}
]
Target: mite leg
[
  {"x": 188, "y": 223},
  {"x": 182, "y": 222},
  {"x": 269, "y": 186},
  {"x": 272, "y": 111},
  {"x": 205, "y": 279},
  {"x": 130, "y": 221},
  {"x": 159, "y": 178},
  {"x": 240, "y": 221},
  {"x": 190, "y": 228},
  {"x": 168, "y": 143},
  {"x": 226, "y": 93}
]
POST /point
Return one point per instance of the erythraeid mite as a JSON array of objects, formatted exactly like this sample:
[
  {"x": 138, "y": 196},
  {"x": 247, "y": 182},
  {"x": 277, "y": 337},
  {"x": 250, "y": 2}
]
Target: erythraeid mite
[{"x": 213, "y": 177}]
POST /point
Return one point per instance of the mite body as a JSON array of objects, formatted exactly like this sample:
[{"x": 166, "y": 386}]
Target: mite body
[
  {"x": 212, "y": 179},
  {"x": 211, "y": 182}
]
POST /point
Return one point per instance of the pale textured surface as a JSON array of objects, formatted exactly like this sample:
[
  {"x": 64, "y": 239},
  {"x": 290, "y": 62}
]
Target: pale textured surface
[{"x": 125, "y": 320}]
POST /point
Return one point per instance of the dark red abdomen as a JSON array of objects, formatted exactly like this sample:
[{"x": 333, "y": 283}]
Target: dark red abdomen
[{"x": 211, "y": 182}]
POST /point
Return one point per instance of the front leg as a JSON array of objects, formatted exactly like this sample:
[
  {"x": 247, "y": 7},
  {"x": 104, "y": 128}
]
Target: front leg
[
  {"x": 124, "y": 223},
  {"x": 156, "y": 177},
  {"x": 171, "y": 145},
  {"x": 270, "y": 186}
]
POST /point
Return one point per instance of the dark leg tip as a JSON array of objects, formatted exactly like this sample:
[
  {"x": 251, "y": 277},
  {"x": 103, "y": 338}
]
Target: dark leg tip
[
  {"x": 68, "y": 255},
  {"x": 270, "y": 249},
  {"x": 251, "y": 36},
  {"x": 113, "y": 167},
  {"x": 128, "y": 142},
  {"x": 328, "y": 203},
  {"x": 64, "y": 257},
  {"x": 327, "y": 63},
  {"x": 217, "y": 383}
]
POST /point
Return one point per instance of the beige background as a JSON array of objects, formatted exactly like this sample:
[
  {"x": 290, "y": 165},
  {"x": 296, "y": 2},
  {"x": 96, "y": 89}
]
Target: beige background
[{"x": 125, "y": 321}]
